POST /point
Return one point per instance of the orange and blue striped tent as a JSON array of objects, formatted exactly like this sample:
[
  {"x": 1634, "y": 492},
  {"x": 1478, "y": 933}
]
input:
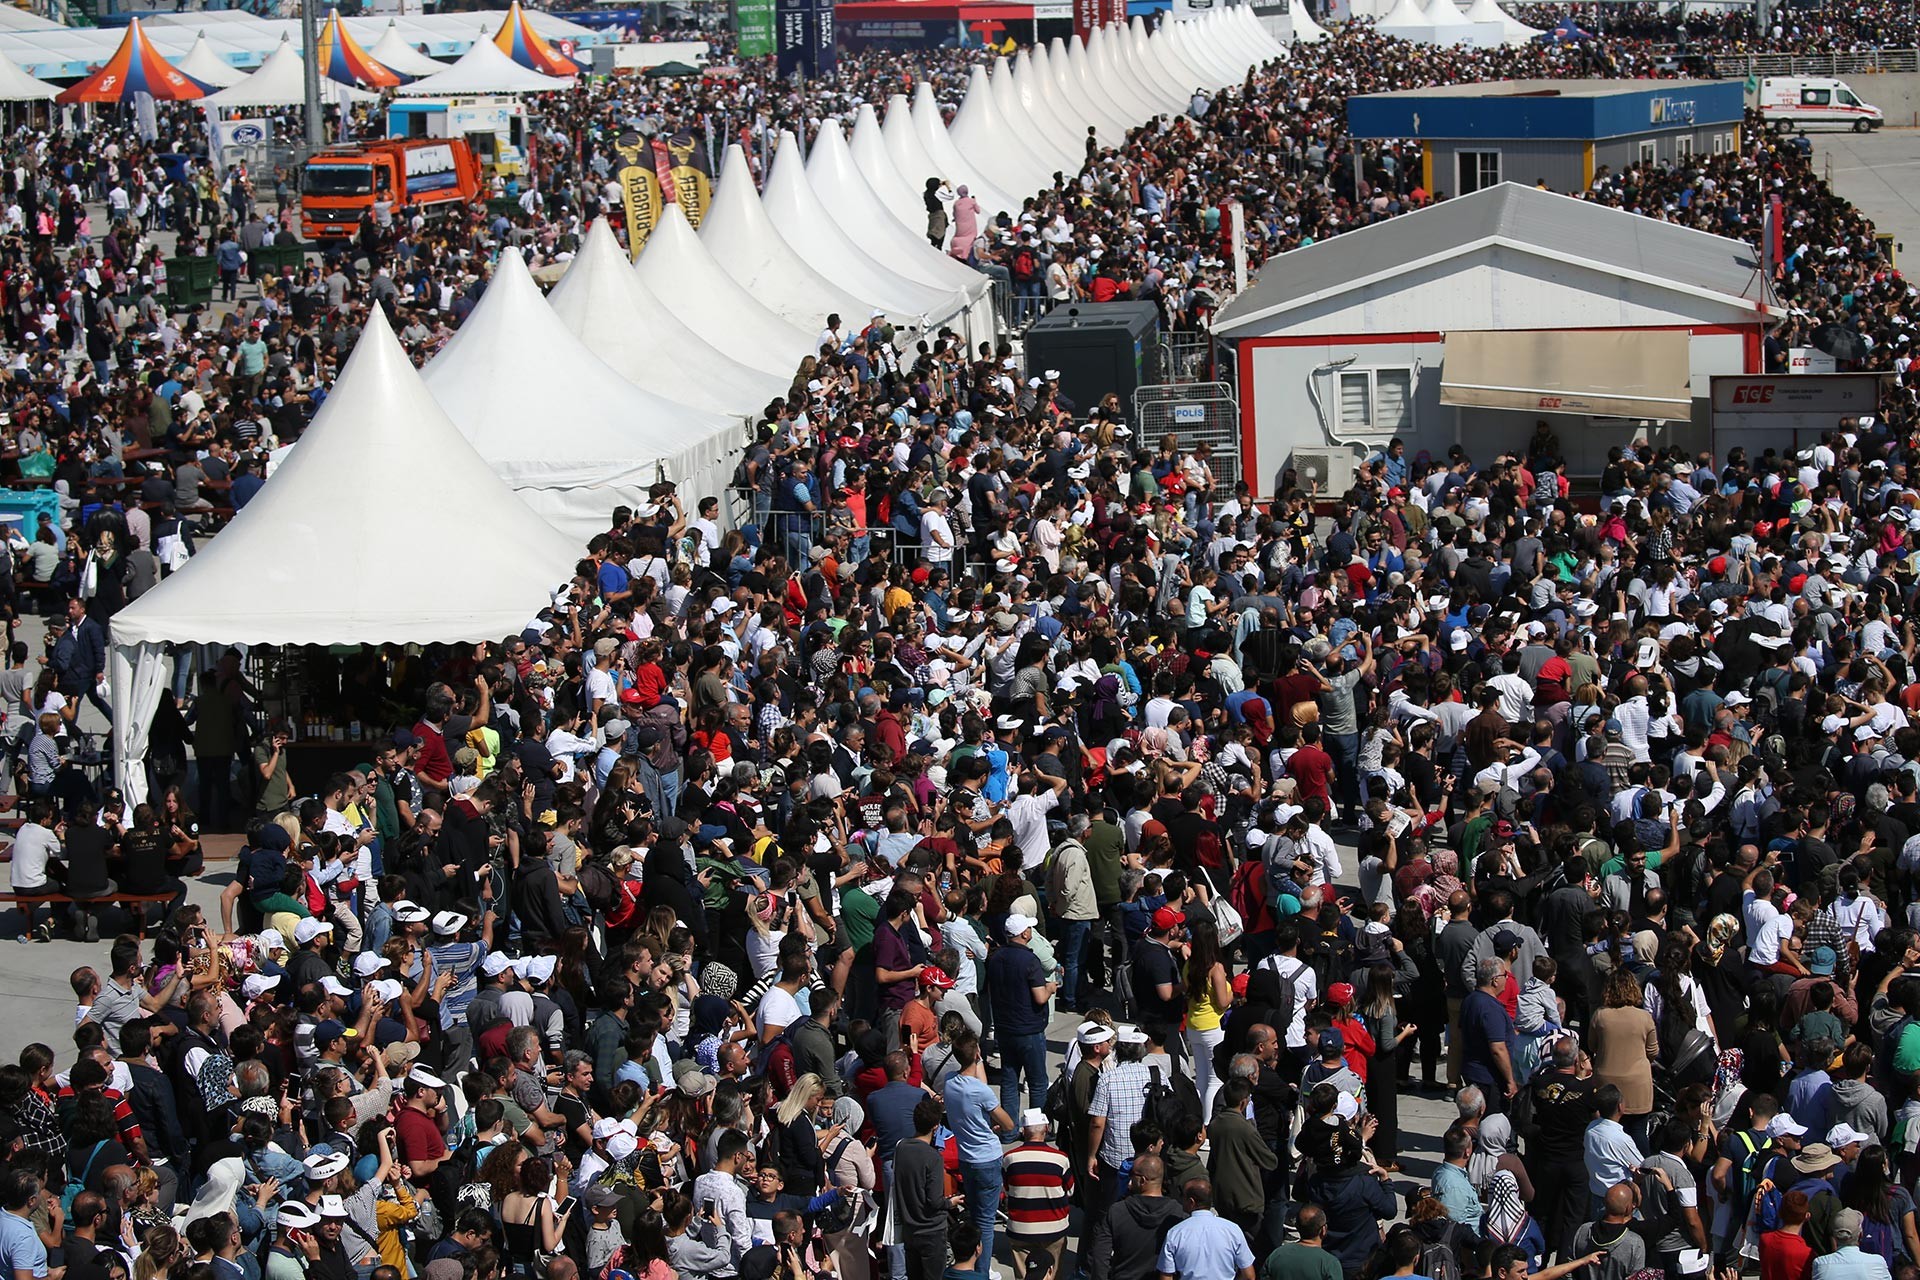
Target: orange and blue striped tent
[
  {"x": 342, "y": 59},
  {"x": 519, "y": 41},
  {"x": 135, "y": 67}
]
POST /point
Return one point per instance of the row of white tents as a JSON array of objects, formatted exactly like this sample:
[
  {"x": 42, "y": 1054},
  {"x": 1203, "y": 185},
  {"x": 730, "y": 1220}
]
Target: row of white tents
[
  {"x": 445, "y": 504},
  {"x": 1483, "y": 24},
  {"x": 279, "y": 80}
]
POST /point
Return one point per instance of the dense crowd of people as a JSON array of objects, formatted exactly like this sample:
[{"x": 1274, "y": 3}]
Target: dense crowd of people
[{"x": 723, "y": 922}]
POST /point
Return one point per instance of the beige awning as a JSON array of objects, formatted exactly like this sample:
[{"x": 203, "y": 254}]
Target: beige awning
[{"x": 1599, "y": 373}]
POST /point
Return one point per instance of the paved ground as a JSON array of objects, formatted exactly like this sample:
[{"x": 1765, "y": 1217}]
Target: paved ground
[{"x": 1880, "y": 173}]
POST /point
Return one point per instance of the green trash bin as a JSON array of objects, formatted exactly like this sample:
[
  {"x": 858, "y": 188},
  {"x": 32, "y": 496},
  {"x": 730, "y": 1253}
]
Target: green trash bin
[
  {"x": 190, "y": 280},
  {"x": 502, "y": 205}
]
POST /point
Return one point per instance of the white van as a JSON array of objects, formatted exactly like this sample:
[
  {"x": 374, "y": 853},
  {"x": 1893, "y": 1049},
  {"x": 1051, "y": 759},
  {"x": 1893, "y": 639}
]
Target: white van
[{"x": 1796, "y": 102}]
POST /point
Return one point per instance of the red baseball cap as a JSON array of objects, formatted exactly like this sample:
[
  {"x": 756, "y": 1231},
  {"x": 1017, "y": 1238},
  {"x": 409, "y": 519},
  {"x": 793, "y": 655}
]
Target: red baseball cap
[
  {"x": 1166, "y": 918},
  {"x": 936, "y": 977},
  {"x": 1717, "y": 565},
  {"x": 630, "y": 697},
  {"x": 1341, "y": 993}
]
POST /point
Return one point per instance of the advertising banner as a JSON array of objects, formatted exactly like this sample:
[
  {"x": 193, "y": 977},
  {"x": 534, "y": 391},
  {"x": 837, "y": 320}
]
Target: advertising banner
[{"x": 639, "y": 189}]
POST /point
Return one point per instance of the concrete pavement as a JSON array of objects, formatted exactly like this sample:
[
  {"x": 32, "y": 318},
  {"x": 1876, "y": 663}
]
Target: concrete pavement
[{"x": 1880, "y": 173}]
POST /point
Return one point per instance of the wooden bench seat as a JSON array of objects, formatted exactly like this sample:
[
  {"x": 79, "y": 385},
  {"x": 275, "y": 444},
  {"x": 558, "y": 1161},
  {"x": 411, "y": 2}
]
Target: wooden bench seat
[{"x": 136, "y": 903}]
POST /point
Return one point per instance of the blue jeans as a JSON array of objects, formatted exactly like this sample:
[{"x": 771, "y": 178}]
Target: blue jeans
[
  {"x": 1022, "y": 1052},
  {"x": 1345, "y": 750},
  {"x": 982, "y": 1183},
  {"x": 1072, "y": 946}
]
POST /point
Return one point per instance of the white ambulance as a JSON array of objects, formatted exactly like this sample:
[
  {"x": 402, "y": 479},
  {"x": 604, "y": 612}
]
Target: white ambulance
[{"x": 1798, "y": 102}]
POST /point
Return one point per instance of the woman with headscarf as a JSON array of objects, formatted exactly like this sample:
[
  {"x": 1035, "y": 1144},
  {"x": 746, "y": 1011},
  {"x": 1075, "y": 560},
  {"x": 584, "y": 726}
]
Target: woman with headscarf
[
  {"x": 936, "y": 197},
  {"x": 966, "y": 225},
  {"x": 1720, "y": 973},
  {"x": 849, "y": 1166},
  {"x": 1504, "y": 1188}
]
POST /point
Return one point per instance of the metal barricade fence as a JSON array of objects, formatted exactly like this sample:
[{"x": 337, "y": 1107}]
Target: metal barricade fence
[
  {"x": 1864, "y": 62},
  {"x": 1196, "y": 413},
  {"x": 1181, "y": 356}
]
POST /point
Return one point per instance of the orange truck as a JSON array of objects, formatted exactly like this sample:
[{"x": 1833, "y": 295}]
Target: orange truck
[{"x": 436, "y": 176}]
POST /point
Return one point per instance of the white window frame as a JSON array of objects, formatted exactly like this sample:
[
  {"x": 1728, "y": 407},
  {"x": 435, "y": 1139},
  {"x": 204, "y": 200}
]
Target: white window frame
[
  {"x": 1499, "y": 167},
  {"x": 1649, "y": 151},
  {"x": 1372, "y": 373},
  {"x": 1683, "y": 146},
  {"x": 1719, "y": 144}
]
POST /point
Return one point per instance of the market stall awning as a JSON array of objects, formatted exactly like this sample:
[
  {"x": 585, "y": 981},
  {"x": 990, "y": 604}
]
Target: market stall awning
[{"x": 1598, "y": 373}]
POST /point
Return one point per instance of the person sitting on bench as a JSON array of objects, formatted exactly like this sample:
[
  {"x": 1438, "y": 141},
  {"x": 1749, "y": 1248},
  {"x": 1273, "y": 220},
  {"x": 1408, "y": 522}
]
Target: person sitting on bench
[{"x": 37, "y": 867}]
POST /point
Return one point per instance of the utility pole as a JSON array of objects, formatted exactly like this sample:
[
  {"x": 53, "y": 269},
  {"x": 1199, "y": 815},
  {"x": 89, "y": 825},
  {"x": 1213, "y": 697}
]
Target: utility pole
[{"x": 309, "y": 53}]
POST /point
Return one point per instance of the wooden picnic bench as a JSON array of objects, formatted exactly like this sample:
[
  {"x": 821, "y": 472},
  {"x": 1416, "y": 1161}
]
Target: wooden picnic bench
[{"x": 136, "y": 904}]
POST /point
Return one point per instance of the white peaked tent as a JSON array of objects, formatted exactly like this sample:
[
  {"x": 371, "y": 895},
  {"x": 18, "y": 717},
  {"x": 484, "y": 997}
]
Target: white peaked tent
[
  {"x": 868, "y": 148},
  {"x": 818, "y": 240},
  {"x": 207, "y": 67},
  {"x": 679, "y": 271},
  {"x": 741, "y": 237},
  {"x": 1406, "y": 21},
  {"x": 1156, "y": 70},
  {"x": 1067, "y": 95},
  {"x": 484, "y": 69},
  {"x": 1185, "y": 37},
  {"x": 1130, "y": 45},
  {"x": 603, "y": 302},
  {"x": 1111, "y": 119},
  {"x": 1443, "y": 14},
  {"x": 280, "y": 81},
  {"x": 17, "y": 86},
  {"x": 373, "y": 477},
  {"x": 1302, "y": 25},
  {"x": 908, "y": 158},
  {"x": 394, "y": 53},
  {"x": 1233, "y": 50},
  {"x": 1299, "y": 20},
  {"x": 1103, "y": 59},
  {"x": 1039, "y": 134},
  {"x": 571, "y": 436},
  {"x": 1517, "y": 32},
  {"x": 852, "y": 203},
  {"x": 992, "y": 145},
  {"x": 959, "y": 172},
  {"x": 1033, "y": 85},
  {"x": 1173, "y": 54}
]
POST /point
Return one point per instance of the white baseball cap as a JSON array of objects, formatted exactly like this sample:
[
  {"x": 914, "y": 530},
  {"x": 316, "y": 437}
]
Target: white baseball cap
[{"x": 310, "y": 928}]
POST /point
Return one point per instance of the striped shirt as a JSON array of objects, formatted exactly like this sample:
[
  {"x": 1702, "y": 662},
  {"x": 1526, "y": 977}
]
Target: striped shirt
[{"x": 1039, "y": 1180}]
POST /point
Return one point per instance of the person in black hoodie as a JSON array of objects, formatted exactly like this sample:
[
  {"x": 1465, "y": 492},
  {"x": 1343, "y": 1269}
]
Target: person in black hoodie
[
  {"x": 1127, "y": 1238},
  {"x": 670, "y": 880},
  {"x": 87, "y": 846}
]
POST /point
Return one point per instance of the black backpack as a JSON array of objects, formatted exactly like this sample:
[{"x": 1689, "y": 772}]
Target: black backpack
[
  {"x": 1058, "y": 1105},
  {"x": 1168, "y": 1101}
]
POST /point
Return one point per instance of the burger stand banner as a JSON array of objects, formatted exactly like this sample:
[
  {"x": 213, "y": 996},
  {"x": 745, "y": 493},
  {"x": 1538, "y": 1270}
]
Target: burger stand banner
[{"x": 654, "y": 171}]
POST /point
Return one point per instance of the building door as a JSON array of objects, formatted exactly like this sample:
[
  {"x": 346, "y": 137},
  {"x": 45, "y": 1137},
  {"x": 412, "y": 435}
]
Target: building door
[{"x": 1478, "y": 170}]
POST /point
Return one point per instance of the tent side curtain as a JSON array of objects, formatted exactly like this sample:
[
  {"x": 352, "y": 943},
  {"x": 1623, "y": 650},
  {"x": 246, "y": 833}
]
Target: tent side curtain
[
  {"x": 1596, "y": 373},
  {"x": 138, "y": 675}
]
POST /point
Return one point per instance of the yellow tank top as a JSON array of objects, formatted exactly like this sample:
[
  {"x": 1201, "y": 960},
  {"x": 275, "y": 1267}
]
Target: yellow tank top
[{"x": 1201, "y": 1013}]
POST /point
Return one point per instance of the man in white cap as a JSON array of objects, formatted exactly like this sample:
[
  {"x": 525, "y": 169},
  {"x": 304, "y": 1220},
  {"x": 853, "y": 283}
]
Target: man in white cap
[
  {"x": 420, "y": 1127},
  {"x": 1038, "y": 1177},
  {"x": 1094, "y": 1044},
  {"x": 309, "y": 964},
  {"x": 452, "y": 953},
  {"x": 1119, "y": 1100},
  {"x": 1019, "y": 991},
  {"x": 333, "y": 1262}
]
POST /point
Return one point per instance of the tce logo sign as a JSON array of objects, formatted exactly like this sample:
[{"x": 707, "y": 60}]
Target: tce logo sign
[{"x": 1758, "y": 393}]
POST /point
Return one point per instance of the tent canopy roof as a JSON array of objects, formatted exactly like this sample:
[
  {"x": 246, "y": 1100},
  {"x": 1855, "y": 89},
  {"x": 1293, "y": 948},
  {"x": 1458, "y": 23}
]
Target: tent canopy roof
[
  {"x": 544, "y": 410},
  {"x": 370, "y": 482},
  {"x": 484, "y": 69}
]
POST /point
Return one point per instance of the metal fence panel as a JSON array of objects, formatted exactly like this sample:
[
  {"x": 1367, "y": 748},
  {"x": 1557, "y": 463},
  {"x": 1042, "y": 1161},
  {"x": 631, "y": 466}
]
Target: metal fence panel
[
  {"x": 1196, "y": 413},
  {"x": 1865, "y": 62}
]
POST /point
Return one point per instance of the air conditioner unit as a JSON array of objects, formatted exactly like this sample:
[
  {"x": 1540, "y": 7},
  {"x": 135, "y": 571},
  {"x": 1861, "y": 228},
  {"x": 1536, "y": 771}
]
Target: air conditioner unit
[{"x": 1332, "y": 468}]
